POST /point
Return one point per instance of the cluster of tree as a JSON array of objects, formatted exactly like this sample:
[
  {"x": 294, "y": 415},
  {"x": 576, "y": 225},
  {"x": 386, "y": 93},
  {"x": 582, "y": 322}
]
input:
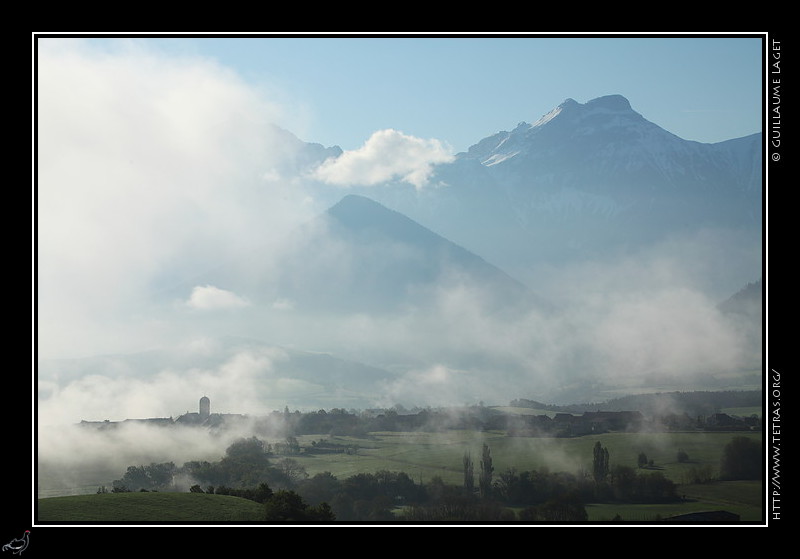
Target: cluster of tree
[
  {"x": 154, "y": 477},
  {"x": 288, "y": 447},
  {"x": 247, "y": 470},
  {"x": 689, "y": 413},
  {"x": 742, "y": 458},
  {"x": 282, "y": 506},
  {"x": 544, "y": 497},
  {"x": 623, "y": 483},
  {"x": 693, "y": 403},
  {"x": 247, "y": 463},
  {"x": 340, "y": 422},
  {"x": 529, "y": 487},
  {"x": 334, "y": 422},
  {"x": 364, "y": 496}
]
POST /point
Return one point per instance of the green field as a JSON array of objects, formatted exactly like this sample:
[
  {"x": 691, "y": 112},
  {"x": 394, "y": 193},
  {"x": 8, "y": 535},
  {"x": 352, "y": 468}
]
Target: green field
[
  {"x": 424, "y": 455},
  {"x": 744, "y": 498},
  {"x": 148, "y": 507}
]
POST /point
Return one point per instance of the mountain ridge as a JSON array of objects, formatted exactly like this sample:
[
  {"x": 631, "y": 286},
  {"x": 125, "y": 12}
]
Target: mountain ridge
[
  {"x": 388, "y": 261},
  {"x": 598, "y": 129},
  {"x": 583, "y": 181}
]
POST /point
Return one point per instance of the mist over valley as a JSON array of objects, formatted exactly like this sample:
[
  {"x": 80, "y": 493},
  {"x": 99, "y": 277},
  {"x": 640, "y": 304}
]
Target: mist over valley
[{"x": 588, "y": 256}]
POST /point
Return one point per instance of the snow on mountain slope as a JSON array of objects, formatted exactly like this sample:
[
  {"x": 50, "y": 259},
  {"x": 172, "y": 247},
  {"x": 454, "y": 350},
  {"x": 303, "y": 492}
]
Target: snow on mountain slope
[
  {"x": 583, "y": 180},
  {"x": 605, "y": 144}
]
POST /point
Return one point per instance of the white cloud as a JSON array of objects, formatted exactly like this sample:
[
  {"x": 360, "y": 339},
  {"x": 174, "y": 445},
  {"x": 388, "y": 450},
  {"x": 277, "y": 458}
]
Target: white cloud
[
  {"x": 438, "y": 385},
  {"x": 387, "y": 155},
  {"x": 208, "y": 297},
  {"x": 151, "y": 169}
]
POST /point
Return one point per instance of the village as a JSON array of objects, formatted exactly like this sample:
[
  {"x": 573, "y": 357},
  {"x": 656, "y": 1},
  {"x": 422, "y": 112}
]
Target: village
[{"x": 480, "y": 418}]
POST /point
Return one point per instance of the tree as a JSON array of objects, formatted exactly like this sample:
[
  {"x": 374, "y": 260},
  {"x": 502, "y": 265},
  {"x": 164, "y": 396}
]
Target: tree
[
  {"x": 263, "y": 493},
  {"x": 152, "y": 477},
  {"x": 246, "y": 449},
  {"x": 642, "y": 460},
  {"x": 599, "y": 462},
  {"x": 741, "y": 459},
  {"x": 292, "y": 469},
  {"x": 290, "y": 446},
  {"x": 322, "y": 513},
  {"x": 631, "y": 487},
  {"x": 485, "y": 479},
  {"x": 469, "y": 475},
  {"x": 623, "y": 482},
  {"x": 322, "y": 487},
  {"x": 288, "y": 506}
]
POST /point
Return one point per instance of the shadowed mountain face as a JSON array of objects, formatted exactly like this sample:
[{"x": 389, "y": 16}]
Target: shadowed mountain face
[{"x": 361, "y": 256}]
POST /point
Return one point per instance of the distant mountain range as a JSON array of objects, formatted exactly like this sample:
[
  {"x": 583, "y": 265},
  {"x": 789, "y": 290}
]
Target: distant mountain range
[
  {"x": 585, "y": 180},
  {"x": 582, "y": 183}
]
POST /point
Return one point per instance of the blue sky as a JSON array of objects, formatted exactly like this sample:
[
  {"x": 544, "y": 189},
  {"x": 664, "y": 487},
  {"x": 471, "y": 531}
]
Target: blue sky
[{"x": 339, "y": 90}]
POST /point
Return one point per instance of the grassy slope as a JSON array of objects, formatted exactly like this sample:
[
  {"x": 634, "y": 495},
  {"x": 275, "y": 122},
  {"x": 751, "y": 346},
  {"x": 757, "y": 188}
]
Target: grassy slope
[
  {"x": 148, "y": 507},
  {"x": 744, "y": 498}
]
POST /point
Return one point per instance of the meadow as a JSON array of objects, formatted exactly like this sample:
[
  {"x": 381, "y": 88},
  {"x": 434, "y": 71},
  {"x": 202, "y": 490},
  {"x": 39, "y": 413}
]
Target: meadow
[
  {"x": 423, "y": 455},
  {"x": 426, "y": 455},
  {"x": 148, "y": 507}
]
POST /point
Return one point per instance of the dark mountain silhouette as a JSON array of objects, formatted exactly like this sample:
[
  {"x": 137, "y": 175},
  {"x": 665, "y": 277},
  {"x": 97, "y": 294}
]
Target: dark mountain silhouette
[
  {"x": 747, "y": 302},
  {"x": 361, "y": 256}
]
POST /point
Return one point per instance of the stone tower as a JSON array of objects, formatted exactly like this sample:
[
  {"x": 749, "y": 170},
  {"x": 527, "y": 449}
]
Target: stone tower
[{"x": 205, "y": 407}]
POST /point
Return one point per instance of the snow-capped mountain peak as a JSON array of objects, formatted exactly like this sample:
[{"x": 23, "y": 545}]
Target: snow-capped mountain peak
[
  {"x": 593, "y": 175},
  {"x": 567, "y": 120},
  {"x": 601, "y": 143}
]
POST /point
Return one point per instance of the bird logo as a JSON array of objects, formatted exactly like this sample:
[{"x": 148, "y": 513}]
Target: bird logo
[{"x": 18, "y": 545}]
